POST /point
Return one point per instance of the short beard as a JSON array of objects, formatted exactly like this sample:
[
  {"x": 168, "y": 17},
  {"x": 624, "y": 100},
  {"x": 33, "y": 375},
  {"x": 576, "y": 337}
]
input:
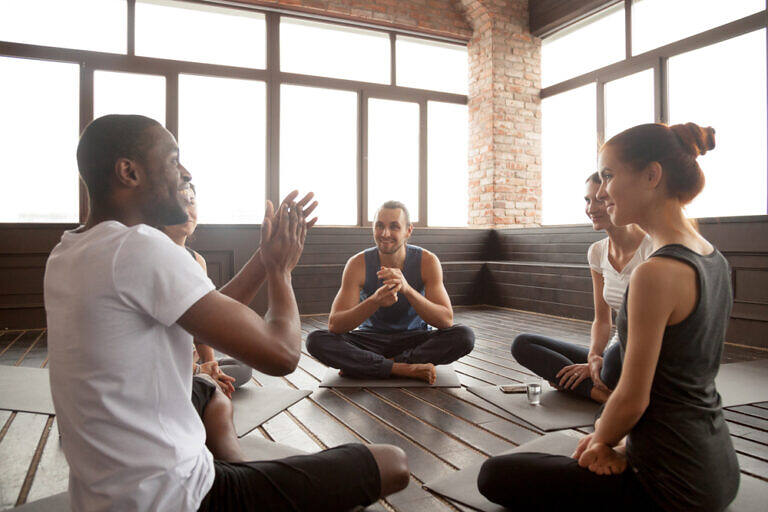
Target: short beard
[
  {"x": 168, "y": 212},
  {"x": 393, "y": 251}
]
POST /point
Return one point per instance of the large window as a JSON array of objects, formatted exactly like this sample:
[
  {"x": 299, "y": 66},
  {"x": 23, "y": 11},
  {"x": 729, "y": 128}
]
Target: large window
[
  {"x": 432, "y": 65},
  {"x": 261, "y": 103},
  {"x": 590, "y": 44},
  {"x": 567, "y": 153},
  {"x": 221, "y": 139},
  {"x": 393, "y": 155},
  {"x": 339, "y": 52},
  {"x": 38, "y": 137},
  {"x": 318, "y": 149},
  {"x": 200, "y": 33},
  {"x": 448, "y": 184},
  {"x": 66, "y": 24},
  {"x": 628, "y": 102},
  {"x": 717, "y": 78},
  {"x": 129, "y": 93},
  {"x": 659, "y": 22},
  {"x": 701, "y": 89}
]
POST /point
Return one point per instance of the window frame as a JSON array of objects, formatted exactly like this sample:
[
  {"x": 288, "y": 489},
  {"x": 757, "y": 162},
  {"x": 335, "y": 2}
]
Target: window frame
[
  {"x": 656, "y": 59},
  {"x": 272, "y": 76}
]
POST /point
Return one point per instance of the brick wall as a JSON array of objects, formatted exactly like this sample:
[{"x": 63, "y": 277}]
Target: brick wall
[
  {"x": 505, "y": 115},
  {"x": 437, "y": 17},
  {"x": 504, "y": 84}
]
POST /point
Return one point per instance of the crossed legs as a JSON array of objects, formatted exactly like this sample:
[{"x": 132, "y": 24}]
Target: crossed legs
[
  {"x": 364, "y": 354},
  {"x": 366, "y": 473},
  {"x": 546, "y": 357}
]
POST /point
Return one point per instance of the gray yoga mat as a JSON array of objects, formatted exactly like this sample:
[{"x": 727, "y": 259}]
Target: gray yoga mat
[
  {"x": 446, "y": 378},
  {"x": 743, "y": 383},
  {"x": 25, "y": 389},
  {"x": 56, "y": 503},
  {"x": 253, "y": 405},
  {"x": 558, "y": 410},
  {"x": 461, "y": 486},
  {"x": 257, "y": 448}
]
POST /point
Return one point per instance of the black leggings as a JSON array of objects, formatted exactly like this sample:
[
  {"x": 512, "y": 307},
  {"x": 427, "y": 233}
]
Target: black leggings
[
  {"x": 546, "y": 357},
  {"x": 537, "y": 481}
]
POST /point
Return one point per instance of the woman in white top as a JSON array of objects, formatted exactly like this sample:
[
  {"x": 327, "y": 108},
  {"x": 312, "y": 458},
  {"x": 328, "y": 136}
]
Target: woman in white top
[
  {"x": 228, "y": 373},
  {"x": 592, "y": 372}
]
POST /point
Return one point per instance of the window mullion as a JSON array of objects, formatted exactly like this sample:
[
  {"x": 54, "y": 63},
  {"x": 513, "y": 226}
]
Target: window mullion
[
  {"x": 272, "y": 176},
  {"x": 131, "y": 27},
  {"x": 86, "y": 116},
  {"x": 362, "y": 161},
  {"x": 423, "y": 181}
]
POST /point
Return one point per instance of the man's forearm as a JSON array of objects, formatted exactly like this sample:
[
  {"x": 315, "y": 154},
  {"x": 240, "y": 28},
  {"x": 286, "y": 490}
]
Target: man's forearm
[
  {"x": 435, "y": 315},
  {"x": 345, "y": 321},
  {"x": 205, "y": 352},
  {"x": 245, "y": 285},
  {"x": 283, "y": 314}
]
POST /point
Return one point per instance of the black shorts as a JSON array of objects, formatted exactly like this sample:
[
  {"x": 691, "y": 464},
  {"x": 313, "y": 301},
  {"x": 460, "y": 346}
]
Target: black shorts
[
  {"x": 202, "y": 391},
  {"x": 334, "y": 480}
]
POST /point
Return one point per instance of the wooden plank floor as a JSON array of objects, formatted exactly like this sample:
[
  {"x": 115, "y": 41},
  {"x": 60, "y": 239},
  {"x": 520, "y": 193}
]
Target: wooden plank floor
[{"x": 441, "y": 430}]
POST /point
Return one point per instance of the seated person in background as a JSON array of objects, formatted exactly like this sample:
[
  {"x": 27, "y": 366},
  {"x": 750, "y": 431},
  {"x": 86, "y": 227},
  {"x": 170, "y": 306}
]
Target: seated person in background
[
  {"x": 662, "y": 442},
  {"x": 123, "y": 303},
  {"x": 240, "y": 373},
  {"x": 594, "y": 372},
  {"x": 390, "y": 294}
]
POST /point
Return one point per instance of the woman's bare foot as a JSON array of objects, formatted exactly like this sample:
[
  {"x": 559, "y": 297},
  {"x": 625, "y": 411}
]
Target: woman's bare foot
[
  {"x": 425, "y": 372},
  {"x": 599, "y": 395}
]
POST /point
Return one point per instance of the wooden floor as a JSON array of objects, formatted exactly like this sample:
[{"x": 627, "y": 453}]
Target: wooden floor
[{"x": 441, "y": 430}]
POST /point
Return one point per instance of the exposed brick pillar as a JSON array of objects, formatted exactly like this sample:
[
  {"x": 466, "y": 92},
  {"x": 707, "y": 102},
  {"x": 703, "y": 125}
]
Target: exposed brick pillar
[{"x": 504, "y": 115}]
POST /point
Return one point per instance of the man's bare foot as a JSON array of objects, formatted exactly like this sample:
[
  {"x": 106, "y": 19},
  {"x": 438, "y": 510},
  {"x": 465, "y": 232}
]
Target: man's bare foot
[{"x": 425, "y": 372}]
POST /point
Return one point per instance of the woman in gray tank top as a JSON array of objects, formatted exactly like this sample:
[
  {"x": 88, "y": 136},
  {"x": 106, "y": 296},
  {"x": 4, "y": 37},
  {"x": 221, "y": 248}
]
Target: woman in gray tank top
[{"x": 662, "y": 442}]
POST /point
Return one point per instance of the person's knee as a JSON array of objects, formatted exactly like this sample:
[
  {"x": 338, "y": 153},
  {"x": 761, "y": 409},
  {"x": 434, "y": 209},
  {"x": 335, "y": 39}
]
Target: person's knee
[
  {"x": 315, "y": 342},
  {"x": 464, "y": 340},
  {"x": 611, "y": 371},
  {"x": 218, "y": 405},
  {"x": 393, "y": 467},
  {"x": 492, "y": 480},
  {"x": 520, "y": 346}
]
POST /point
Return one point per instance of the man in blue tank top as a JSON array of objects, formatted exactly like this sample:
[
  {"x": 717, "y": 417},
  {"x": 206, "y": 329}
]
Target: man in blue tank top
[{"x": 390, "y": 295}]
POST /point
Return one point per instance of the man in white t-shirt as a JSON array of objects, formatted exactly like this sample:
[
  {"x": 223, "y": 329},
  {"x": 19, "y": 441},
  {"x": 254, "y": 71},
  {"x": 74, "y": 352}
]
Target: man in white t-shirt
[{"x": 123, "y": 303}]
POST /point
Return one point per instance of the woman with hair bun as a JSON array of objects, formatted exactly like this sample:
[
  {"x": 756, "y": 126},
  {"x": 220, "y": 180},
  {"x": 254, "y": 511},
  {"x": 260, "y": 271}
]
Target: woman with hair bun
[{"x": 662, "y": 442}]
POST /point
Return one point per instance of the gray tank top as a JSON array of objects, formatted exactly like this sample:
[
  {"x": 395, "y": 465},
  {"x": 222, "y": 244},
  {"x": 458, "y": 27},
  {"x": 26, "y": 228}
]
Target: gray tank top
[{"x": 681, "y": 449}]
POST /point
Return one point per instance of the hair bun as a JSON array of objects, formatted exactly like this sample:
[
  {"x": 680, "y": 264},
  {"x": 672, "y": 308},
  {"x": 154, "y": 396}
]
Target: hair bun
[{"x": 695, "y": 139}]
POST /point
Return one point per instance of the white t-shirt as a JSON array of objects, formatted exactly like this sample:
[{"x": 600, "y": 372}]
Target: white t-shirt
[
  {"x": 121, "y": 371},
  {"x": 615, "y": 283}
]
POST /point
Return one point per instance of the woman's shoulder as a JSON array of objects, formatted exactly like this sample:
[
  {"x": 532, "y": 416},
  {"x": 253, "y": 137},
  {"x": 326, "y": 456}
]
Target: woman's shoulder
[
  {"x": 595, "y": 254},
  {"x": 646, "y": 247}
]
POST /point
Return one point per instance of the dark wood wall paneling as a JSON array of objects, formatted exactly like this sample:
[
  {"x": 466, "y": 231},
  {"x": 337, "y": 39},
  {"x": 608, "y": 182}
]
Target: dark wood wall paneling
[
  {"x": 546, "y": 16},
  {"x": 545, "y": 270},
  {"x": 537, "y": 269},
  {"x": 25, "y": 248}
]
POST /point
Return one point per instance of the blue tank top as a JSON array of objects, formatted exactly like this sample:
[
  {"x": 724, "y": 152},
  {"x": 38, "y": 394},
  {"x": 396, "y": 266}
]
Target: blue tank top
[{"x": 400, "y": 316}]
